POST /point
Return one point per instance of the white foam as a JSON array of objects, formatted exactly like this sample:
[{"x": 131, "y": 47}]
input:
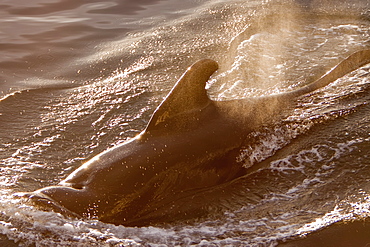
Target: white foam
[
  {"x": 343, "y": 211},
  {"x": 265, "y": 143}
]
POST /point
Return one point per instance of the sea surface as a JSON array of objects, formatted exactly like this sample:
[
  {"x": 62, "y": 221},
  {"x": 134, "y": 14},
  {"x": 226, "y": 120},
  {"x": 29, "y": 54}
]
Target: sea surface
[{"x": 78, "y": 77}]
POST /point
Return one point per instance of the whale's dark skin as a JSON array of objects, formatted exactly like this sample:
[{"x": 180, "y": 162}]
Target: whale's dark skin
[{"x": 189, "y": 145}]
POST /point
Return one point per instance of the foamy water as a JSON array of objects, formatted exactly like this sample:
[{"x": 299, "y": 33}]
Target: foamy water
[{"x": 77, "y": 78}]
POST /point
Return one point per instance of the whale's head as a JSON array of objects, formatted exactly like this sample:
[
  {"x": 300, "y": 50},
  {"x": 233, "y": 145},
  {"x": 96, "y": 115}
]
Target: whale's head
[
  {"x": 93, "y": 189},
  {"x": 122, "y": 182}
]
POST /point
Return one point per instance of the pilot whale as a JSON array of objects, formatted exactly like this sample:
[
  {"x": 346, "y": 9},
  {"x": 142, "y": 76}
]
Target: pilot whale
[{"x": 189, "y": 145}]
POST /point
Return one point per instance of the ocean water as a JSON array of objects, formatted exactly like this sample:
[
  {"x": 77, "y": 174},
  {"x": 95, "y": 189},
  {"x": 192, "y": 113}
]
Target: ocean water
[{"x": 79, "y": 77}]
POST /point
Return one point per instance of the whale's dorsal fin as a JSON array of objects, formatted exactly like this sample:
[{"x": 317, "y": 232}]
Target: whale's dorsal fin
[{"x": 188, "y": 95}]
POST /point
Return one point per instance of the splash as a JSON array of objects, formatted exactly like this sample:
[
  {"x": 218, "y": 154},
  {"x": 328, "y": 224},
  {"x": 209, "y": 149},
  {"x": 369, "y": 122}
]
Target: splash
[{"x": 354, "y": 208}]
